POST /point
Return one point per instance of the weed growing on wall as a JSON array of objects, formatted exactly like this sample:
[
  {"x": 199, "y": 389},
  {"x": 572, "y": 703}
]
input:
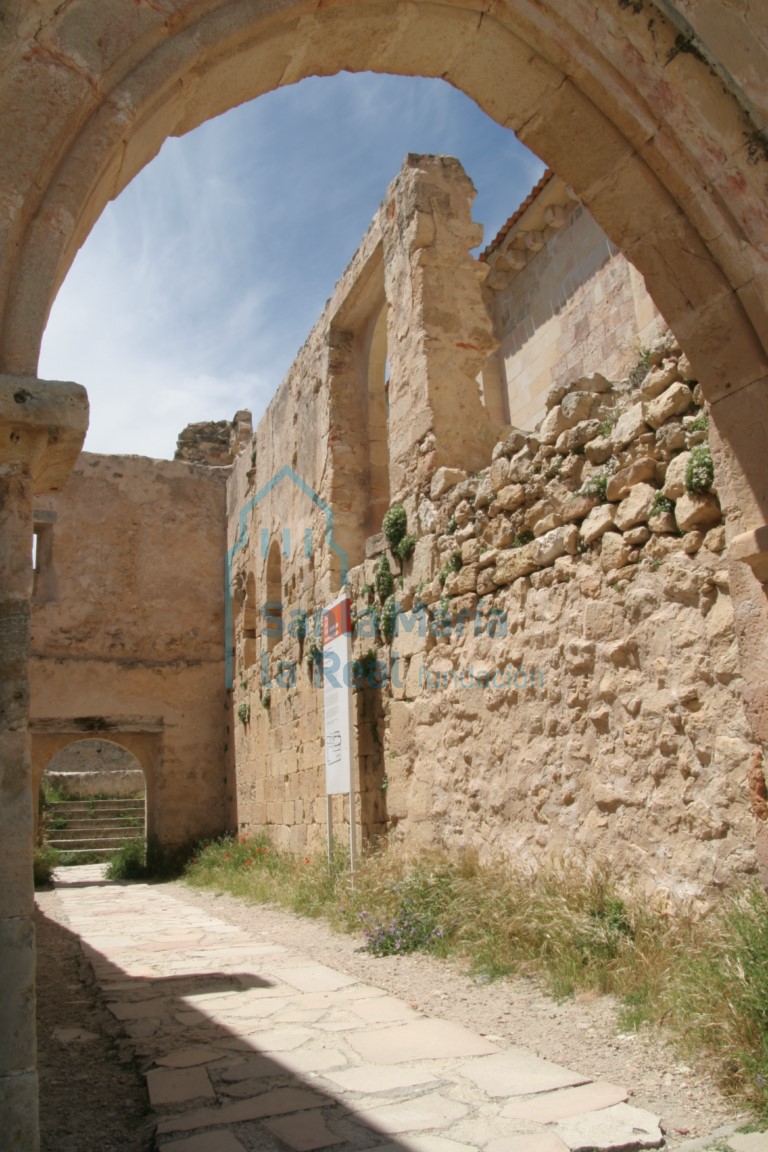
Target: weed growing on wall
[
  {"x": 394, "y": 525},
  {"x": 700, "y": 469}
]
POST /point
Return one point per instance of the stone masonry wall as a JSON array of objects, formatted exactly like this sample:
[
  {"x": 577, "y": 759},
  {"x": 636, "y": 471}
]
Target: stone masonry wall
[
  {"x": 134, "y": 634},
  {"x": 577, "y": 306},
  {"x": 563, "y": 678}
]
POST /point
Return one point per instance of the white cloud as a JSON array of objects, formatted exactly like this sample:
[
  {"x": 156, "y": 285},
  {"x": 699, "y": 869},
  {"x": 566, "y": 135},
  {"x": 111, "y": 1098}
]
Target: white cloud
[{"x": 199, "y": 284}]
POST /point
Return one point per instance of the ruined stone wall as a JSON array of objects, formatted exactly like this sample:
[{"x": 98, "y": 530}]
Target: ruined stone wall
[
  {"x": 563, "y": 678},
  {"x": 95, "y": 768},
  {"x": 574, "y": 306},
  {"x": 337, "y": 444},
  {"x": 134, "y": 634}
]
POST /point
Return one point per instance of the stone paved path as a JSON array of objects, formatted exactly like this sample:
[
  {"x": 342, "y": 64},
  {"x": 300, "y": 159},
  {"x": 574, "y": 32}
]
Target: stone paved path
[{"x": 249, "y": 1045}]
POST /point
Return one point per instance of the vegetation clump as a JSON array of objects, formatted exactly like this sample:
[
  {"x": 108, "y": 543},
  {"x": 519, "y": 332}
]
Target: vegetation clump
[
  {"x": 454, "y": 563},
  {"x": 394, "y": 525},
  {"x": 597, "y": 485},
  {"x": 385, "y": 584},
  {"x": 700, "y": 469}
]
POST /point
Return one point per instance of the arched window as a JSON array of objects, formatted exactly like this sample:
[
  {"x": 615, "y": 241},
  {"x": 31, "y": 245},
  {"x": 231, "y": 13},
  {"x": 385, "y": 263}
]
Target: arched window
[{"x": 273, "y": 606}]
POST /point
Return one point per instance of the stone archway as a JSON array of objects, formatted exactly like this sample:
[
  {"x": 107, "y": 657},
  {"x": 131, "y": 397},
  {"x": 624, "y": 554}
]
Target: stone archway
[
  {"x": 143, "y": 740},
  {"x": 660, "y": 133}
]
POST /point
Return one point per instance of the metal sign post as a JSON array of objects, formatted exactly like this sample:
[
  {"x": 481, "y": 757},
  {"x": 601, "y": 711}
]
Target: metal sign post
[{"x": 337, "y": 700}]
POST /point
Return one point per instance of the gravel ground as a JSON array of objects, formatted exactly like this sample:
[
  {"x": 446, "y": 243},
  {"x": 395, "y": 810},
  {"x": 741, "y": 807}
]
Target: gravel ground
[{"x": 93, "y": 1098}]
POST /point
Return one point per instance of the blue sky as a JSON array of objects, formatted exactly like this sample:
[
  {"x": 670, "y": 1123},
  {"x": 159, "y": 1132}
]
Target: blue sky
[{"x": 198, "y": 285}]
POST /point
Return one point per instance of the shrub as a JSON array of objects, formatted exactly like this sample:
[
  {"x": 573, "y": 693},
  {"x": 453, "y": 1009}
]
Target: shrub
[
  {"x": 597, "y": 485},
  {"x": 44, "y": 861},
  {"x": 522, "y": 538},
  {"x": 129, "y": 862},
  {"x": 388, "y": 618},
  {"x": 244, "y": 713},
  {"x": 405, "y": 547},
  {"x": 661, "y": 504},
  {"x": 394, "y": 525},
  {"x": 454, "y": 563},
  {"x": 385, "y": 585},
  {"x": 451, "y": 526},
  {"x": 700, "y": 469}
]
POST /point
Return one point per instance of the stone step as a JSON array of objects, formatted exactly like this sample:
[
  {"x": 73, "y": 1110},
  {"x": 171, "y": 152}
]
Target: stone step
[
  {"x": 72, "y": 843},
  {"x": 128, "y": 805},
  {"x": 91, "y": 827}
]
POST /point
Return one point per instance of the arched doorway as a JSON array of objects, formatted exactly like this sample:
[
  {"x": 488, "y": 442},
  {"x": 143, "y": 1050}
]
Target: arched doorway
[
  {"x": 133, "y": 753},
  {"x": 92, "y": 800}
]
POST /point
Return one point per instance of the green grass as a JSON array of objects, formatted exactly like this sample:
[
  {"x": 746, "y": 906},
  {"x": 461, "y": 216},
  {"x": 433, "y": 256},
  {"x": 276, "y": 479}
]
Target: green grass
[{"x": 575, "y": 928}]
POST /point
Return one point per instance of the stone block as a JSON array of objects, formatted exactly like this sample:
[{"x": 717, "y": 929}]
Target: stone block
[
  {"x": 628, "y": 427},
  {"x": 552, "y": 425},
  {"x": 444, "y": 479},
  {"x": 614, "y": 553},
  {"x": 676, "y": 400},
  {"x": 622, "y": 481},
  {"x": 512, "y": 563},
  {"x": 611, "y": 1129},
  {"x": 697, "y": 510},
  {"x": 554, "y": 544},
  {"x": 670, "y": 438},
  {"x": 598, "y": 522},
  {"x": 19, "y": 1110},
  {"x": 674, "y": 481},
  {"x": 577, "y": 508},
  {"x": 575, "y": 407},
  {"x": 576, "y": 437},
  {"x": 595, "y": 383},
  {"x": 17, "y": 1003},
  {"x": 635, "y": 508},
  {"x": 511, "y": 498},
  {"x": 599, "y": 450},
  {"x": 518, "y": 1072},
  {"x": 659, "y": 379},
  {"x": 499, "y": 477}
]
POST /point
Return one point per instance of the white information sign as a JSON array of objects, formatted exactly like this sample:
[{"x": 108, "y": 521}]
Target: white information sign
[{"x": 337, "y": 696}]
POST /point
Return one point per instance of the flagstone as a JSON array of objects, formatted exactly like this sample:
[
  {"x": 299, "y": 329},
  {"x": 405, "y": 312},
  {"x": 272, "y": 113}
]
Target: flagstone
[
  {"x": 220, "y": 1141},
  {"x": 421, "y": 1040},
  {"x": 275, "y": 1103},
  {"x": 135, "y": 1010},
  {"x": 188, "y": 1057},
  {"x": 174, "y": 1085},
  {"x": 374, "y": 1078},
  {"x": 538, "y": 1142},
  {"x": 274, "y": 1040},
  {"x": 304, "y": 1131},
  {"x": 549, "y": 1107},
  {"x": 518, "y": 1072},
  {"x": 429, "y": 1111},
  {"x": 312, "y": 1060},
  {"x": 383, "y": 1010},
  {"x": 316, "y": 978},
  {"x": 621, "y": 1126},
  {"x": 748, "y": 1142},
  {"x": 433, "y": 1144}
]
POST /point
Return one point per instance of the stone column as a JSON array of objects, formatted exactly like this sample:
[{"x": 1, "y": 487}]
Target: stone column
[{"x": 42, "y": 427}]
